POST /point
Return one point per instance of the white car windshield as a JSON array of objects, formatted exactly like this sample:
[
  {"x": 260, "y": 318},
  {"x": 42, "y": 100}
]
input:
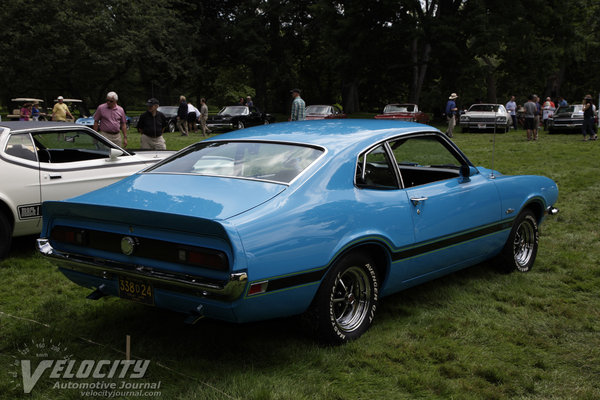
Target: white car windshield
[
  {"x": 276, "y": 162},
  {"x": 235, "y": 110},
  {"x": 486, "y": 108},
  {"x": 394, "y": 108},
  {"x": 321, "y": 110}
]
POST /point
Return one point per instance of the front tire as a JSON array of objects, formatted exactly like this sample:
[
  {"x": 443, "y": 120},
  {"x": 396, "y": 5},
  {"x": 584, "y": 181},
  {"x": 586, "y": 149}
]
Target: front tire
[
  {"x": 5, "y": 235},
  {"x": 521, "y": 248},
  {"x": 346, "y": 302},
  {"x": 240, "y": 125},
  {"x": 172, "y": 126}
]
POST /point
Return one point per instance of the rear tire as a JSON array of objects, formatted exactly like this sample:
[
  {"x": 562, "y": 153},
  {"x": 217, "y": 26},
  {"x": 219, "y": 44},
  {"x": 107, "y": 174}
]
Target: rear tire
[
  {"x": 5, "y": 235},
  {"x": 521, "y": 248},
  {"x": 346, "y": 301}
]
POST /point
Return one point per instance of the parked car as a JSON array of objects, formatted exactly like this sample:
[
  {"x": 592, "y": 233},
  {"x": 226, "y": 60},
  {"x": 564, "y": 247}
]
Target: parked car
[
  {"x": 324, "y": 217},
  {"x": 323, "y": 112},
  {"x": 404, "y": 112},
  {"x": 238, "y": 117},
  {"x": 52, "y": 161},
  {"x": 486, "y": 116},
  {"x": 89, "y": 121},
  {"x": 18, "y": 102},
  {"x": 567, "y": 118},
  {"x": 170, "y": 113}
]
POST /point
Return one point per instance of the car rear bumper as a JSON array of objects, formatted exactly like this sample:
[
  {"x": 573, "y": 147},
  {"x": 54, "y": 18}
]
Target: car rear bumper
[{"x": 109, "y": 271}]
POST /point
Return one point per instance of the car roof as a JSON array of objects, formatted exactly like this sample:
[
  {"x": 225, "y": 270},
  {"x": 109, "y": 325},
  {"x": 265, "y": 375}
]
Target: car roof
[
  {"x": 333, "y": 135},
  {"x": 27, "y": 125}
]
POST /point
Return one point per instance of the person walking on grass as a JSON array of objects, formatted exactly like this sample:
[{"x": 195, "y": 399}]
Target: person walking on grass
[
  {"x": 152, "y": 125},
  {"x": 110, "y": 118}
]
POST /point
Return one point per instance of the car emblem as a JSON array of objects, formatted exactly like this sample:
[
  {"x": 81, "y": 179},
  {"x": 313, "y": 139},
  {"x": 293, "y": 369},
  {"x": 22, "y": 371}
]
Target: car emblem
[{"x": 128, "y": 245}]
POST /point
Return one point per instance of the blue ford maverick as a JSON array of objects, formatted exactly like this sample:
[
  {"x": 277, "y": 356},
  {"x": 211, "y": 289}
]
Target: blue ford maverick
[{"x": 317, "y": 217}]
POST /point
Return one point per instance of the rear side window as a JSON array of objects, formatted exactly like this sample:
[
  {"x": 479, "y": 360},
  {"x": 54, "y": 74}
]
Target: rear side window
[{"x": 21, "y": 146}]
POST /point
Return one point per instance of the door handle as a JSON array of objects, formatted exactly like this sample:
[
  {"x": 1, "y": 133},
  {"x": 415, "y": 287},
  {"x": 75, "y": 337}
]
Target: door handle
[
  {"x": 55, "y": 176},
  {"x": 417, "y": 200}
]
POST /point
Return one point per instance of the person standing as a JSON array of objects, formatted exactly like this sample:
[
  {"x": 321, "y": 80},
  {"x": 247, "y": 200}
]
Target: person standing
[
  {"x": 451, "y": 111},
  {"x": 511, "y": 107},
  {"x": 588, "y": 118},
  {"x": 193, "y": 117},
  {"x": 298, "y": 106},
  {"x": 547, "y": 111},
  {"x": 204, "y": 117},
  {"x": 25, "y": 112},
  {"x": 530, "y": 111},
  {"x": 537, "y": 116},
  {"x": 249, "y": 101},
  {"x": 110, "y": 118},
  {"x": 60, "y": 112},
  {"x": 182, "y": 113},
  {"x": 562, "y": 102},
  {"x": 35, "y": 111},
  {"x": 152, "y": 125}
]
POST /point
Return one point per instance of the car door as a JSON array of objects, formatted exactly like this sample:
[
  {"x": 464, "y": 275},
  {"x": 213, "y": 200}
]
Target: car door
[
  {"x": 76, "y": 161},
  {"x": 455, "y": 219},
  {"x": 20, "y": 177}
]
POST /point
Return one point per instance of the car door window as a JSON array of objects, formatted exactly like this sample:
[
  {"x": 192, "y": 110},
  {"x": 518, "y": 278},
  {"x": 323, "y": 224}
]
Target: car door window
[
  {"x": 69, "y": 146},
  {"x": 424, "y": 159},
  {"x": 20, "y": 146},
  {"x": 375, "y": 170}
]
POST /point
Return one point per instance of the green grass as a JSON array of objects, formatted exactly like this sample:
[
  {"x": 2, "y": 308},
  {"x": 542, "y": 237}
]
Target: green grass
[{"x": 475, "y": 334}]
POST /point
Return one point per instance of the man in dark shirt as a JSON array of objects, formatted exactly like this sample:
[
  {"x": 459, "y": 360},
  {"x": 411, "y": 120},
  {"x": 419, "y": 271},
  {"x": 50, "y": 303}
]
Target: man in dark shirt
[
  {"x": 151, "y": 125},
  {"x": 182, "y": 113}
]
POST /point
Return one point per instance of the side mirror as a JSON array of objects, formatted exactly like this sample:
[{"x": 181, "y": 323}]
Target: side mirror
[
  {"x": 114, "y": 154},
  {"x": 465, "y": 173}
]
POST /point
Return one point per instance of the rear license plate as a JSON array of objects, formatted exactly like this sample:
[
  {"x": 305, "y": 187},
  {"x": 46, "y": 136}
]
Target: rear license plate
[
  {"x": 135, "y": 290},
  {"x": 481, "y": 126}
]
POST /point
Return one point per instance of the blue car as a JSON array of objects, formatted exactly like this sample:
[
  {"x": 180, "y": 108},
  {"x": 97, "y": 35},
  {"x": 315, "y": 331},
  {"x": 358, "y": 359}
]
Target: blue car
[
  {"x": 89, "y": 121},
  {"x": 318, "y": 217}
]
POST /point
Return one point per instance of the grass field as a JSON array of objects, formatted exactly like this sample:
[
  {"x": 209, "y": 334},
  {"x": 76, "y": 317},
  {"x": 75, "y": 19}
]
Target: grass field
[{"x": 476, "y": 334}]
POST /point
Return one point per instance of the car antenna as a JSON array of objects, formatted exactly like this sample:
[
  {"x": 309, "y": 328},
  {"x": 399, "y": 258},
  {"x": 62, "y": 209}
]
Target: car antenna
[{"x": 494, "y": 141}]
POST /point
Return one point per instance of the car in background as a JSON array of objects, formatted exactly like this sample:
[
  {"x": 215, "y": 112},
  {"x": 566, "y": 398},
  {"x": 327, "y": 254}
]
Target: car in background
[
  {"x": 568, "y": 119},
  {"x": 485, "y": 117},
  {"x": 89, "y": 121},
  {"x": 404, "y": 112},
  {"x": 52, "y": 161},
  {"x": 238, "y": 117},
  {"x": 324, "y": 218},
  {"x": 170, "y": 113},
  {"x": 19, "y": 102},
  {"x": 323, "y": 112}
]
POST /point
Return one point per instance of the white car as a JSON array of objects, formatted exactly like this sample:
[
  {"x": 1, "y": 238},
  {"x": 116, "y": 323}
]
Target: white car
[
  {"x": 42, "y": 161},
  {"x": 486, "y": 116}
]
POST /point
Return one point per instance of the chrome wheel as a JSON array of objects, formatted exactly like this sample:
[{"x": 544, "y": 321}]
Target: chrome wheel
[
  {"x": 524, "y": 244},
  {"x": 520, "y": 249},
  {"x": 351, "y": 298}
]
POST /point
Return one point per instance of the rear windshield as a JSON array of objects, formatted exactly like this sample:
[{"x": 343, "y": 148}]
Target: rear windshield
[{"x": 276, "y": 162}]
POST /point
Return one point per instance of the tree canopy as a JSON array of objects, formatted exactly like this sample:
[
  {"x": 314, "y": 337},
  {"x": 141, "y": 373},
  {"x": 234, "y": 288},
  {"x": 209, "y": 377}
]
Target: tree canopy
[{"x": 360, "y": 54}]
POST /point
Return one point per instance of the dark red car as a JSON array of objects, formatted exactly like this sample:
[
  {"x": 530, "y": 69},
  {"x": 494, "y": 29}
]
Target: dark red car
[
  {"x": 404, "y": 112},
  {"x": 323, "y": 112}
]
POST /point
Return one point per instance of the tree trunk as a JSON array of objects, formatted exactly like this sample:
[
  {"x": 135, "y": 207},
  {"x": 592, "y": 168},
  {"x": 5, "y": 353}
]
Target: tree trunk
[
  {"x": 419, "y": 70},
  {"x": 350, "y": 98}
]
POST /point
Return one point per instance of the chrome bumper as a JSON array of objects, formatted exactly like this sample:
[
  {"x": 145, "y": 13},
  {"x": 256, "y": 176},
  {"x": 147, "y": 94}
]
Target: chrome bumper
[{"x": 226, "y": 290}]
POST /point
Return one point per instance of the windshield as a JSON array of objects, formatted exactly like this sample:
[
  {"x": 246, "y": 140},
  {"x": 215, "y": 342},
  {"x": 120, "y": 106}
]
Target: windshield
[
  {"x": 394, "y": 108},
  {"x": 267, "y": 161},
  {"x": 575, "y": 108},
  {"x": 235, "y": 110},
  {"x": 485, "y": 108},
  {"x": 321, "y": 110}
]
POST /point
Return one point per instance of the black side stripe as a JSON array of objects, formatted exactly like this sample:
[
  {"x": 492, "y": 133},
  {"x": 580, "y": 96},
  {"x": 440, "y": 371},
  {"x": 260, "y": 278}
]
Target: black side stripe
[
  {"x": 440, "y": 244},
  {"x": 316, "y": 275}
]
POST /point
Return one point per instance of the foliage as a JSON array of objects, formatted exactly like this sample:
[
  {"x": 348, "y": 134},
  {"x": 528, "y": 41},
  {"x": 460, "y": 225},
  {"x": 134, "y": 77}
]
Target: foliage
[{"x": 360, "y": 54}]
